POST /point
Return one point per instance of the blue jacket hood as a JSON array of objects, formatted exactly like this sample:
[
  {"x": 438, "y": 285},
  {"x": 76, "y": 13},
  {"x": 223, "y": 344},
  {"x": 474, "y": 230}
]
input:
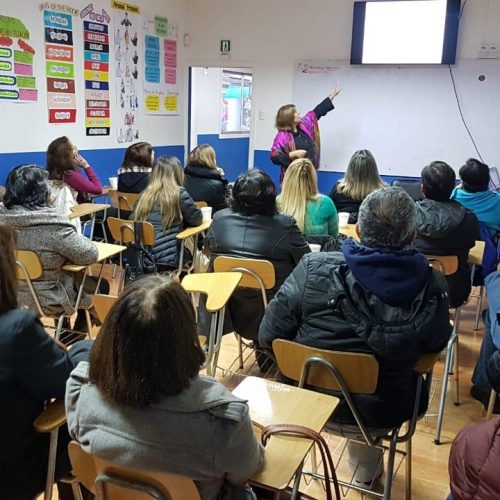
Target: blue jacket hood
[{"x": 395, "y": 277}]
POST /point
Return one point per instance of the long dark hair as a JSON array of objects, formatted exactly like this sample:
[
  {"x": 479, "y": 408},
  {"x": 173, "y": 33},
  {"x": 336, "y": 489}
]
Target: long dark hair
[
  {"x": 8, "y": 274},
  {"x": 27, "y": 186},
  {"x": 60, "y": 158},
  {"x": 148, "y": 345}
]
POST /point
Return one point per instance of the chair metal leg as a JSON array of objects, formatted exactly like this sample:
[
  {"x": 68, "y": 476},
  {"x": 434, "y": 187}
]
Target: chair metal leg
[
  {"x": 491, "y": 404},
  {"x": 390, "y": 466},
  {"x": 456, "y": 369},
  {"x": 296, "y": 482},
  {"x": 60, "y": 322},
  {"x": 240, "y": 351},
  {"x": 77, "y": 491},
  {"x": 479, "y": 307},
  {"x": 51, "y": 468},
  {"x": 408, "y": 470},
  {"x": 447, "y": 366}
]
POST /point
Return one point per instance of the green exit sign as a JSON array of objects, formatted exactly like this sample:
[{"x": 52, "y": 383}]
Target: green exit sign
[{"x": 225, "y": 47}]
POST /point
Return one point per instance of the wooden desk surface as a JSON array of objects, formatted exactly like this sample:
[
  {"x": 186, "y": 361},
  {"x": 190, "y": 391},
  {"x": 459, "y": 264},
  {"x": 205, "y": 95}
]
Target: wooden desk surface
[
  {"x": 274, "y": 403},
  {"x": 349, "y": 230},
  {"x": 87, "y": 209},
  {"x": 191, "y": 231},
  {"x": 217, "y": 286},
  {"x": 476, "y": 254},
  {"x": 106, "y": 250}
]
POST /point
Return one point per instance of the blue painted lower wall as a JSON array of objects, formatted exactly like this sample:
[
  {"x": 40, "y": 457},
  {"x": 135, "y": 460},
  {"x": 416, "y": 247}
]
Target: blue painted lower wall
[
  {"x": 232, "y": 153},
  {"x": 326, "y": 180},
  {"x": 104, "y": 161}
]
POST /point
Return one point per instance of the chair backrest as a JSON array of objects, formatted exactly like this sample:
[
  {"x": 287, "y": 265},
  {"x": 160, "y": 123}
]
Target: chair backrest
[
  {"x": 201, "y": 204},
  {"x": 411, "y": 187},
  {"x": 122, "y": 231},
  {"x": 250, "y": 269},
  {"x": 124, "y": 201},
  {"x": 28, "y": 265},
  {"x": 359, "y": 371},
  {"x": 122, "y": 483},
  {"x": 103, "y": 304},
  {"x": 447, "y": 264}
]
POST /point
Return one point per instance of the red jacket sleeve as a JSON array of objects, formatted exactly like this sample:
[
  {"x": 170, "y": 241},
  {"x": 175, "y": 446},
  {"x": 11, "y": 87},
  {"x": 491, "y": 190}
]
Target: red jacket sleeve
[{"x": 89, "y": 184}]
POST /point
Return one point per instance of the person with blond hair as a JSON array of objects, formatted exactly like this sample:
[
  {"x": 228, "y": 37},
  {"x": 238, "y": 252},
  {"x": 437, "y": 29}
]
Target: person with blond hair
[
  {"x": 361, "y": 178},
  {"x": 298, "y": 136},
  {"x": 204, "y": 180},
  {"x": 314, "y": 212},
  {"x": 169, "y": 208}
]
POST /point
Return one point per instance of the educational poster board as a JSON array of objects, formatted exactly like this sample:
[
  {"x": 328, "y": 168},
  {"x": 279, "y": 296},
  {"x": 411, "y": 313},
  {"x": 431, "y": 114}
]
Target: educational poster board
[
  {"x": 128, "y": 41},
  {"x": 160, "y": 82},
  {"x": 406, "y": 115},
  {"x": 59, "y": 64},
  {"x": 96, "y": 71},
  {"x": 17, "y": 80}
]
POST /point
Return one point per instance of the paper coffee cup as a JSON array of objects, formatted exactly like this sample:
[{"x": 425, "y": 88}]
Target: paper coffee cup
[
  {"x": 315, "y": 247},
  {"x": 113, "y": 182},
  {"x": 343, "y": 219},
  {"x": 206, "y": 214}
]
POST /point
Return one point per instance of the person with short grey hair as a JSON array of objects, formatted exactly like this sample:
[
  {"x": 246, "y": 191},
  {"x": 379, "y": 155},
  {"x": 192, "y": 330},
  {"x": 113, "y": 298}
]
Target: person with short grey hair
[{"x": 378, "y": 296}]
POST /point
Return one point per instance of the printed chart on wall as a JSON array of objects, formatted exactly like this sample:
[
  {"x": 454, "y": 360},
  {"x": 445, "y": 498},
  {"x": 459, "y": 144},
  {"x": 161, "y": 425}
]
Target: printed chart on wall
[
  {"x": 17, "y": 83},
  {"x": 96, "y": 70},
  {"x": 160, "y": 82},
  {"x": 128, "y": 44},
  {"x": 59, "y": 65}
]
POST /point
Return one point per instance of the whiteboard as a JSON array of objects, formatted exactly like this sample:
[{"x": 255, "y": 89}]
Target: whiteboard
[{"x": 406, "y": 116}]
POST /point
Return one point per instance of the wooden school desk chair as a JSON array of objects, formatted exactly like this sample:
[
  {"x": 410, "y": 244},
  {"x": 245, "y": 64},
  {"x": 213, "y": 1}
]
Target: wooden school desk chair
[
  {"x": 257, "y": 274},
  {"x": 109, "y": 481},
  {"x": 103, "y": 304},
  {"x": 354, "y": 373},
  {"x": 123, "y": 201}
]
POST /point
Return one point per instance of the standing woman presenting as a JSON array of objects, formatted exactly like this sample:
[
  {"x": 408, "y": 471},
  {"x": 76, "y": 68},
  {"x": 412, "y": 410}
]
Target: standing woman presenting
[{"x": 298, "y": 137}]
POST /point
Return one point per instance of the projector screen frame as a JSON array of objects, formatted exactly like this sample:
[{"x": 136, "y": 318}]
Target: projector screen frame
[{"x": 450, "y": 39}]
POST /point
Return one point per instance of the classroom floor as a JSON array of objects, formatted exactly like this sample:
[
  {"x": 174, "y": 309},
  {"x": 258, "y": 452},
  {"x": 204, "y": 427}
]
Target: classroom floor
[{"x": 430, "y": 462}]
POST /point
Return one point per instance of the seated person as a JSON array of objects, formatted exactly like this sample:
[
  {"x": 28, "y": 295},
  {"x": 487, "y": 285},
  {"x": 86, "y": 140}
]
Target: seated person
[
  {"x": 474, "y": 194},
  {"x": 474, "y": 459},
  {"x": 133, "y": 175},
  {"x": 140, "y": 402},
  {"x": 361, "y": 178},
  {"x": 167, "y": 205},
  {"x": 378, "y": 297},
  {"x": 314, "y": 213},
  {"x": 65, "y": 165},
  {"x": 487, "y": 371},
  {"x": 33, "y": 369},
  {"x": 42, "y": 229},
  {"x": 444, "y": 227},
  {"x": 252, "y": 228},
  {"x": 204, "y": 180}
]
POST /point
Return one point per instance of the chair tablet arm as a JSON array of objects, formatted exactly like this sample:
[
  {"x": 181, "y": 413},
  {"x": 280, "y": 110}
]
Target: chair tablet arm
[
  {"x": 192, "y": 231},
  {"x": 51, "y": 418}
]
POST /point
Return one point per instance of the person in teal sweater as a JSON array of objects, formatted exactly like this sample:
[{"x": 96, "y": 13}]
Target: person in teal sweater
[
  {"x": 474, "y": 194},
  {"x": 314, "y": 213}
]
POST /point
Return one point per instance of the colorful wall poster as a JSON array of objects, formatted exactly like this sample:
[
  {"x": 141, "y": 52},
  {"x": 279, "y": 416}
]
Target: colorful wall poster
[
  {"x": 96, "y": 71},
  {"x": 160, "y": 86},
  {"x": 17, "y": 83},
  {"x": 128, "y": 44},
  {"x": 59, "y": 65}
]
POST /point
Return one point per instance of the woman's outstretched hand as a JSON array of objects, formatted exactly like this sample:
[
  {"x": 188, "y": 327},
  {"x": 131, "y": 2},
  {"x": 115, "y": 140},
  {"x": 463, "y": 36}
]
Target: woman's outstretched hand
[
  {"x": 336, "y": 92},
  {"x": 298, "y": 153}
]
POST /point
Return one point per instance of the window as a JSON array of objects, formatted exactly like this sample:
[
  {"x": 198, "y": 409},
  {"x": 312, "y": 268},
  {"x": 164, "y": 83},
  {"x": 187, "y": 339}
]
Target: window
[{"x": 236, "y": 103}]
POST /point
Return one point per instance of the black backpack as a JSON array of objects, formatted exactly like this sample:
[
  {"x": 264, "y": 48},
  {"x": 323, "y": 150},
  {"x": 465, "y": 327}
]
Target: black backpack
[{"x": 139, "y": 259}]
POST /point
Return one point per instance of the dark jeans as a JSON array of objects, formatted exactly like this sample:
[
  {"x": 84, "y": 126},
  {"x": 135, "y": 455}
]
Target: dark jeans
[{"x": 479, "y": 377}]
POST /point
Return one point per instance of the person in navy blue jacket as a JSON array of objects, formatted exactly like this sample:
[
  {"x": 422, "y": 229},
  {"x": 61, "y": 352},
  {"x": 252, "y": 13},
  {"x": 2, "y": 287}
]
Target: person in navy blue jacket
[{"x": 33, "y": 369}]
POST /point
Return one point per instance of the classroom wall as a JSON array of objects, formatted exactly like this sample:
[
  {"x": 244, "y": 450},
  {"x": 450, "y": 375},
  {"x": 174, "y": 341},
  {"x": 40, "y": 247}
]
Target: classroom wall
[
  {"x": 231, "y": 151},
  {"x": 25, "y": 132},
  {"x": 271, "y": 36}
]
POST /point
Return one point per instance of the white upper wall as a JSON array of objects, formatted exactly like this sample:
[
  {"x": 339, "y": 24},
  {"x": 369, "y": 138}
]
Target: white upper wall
[{"x": 270, "y": 36}]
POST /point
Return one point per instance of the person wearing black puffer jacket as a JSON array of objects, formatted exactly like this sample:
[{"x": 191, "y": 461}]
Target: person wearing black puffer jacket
[
  {"x": 170, "y": 209},
  {"x": 378, "y": 297},
  {"x": 204, "y": 180},
  {"x": 444, "y": 227}
]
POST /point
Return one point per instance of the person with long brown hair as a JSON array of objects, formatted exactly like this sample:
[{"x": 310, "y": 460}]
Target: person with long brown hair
[
  {"x": 65, "y": 164},
  {"x": 33, "y": 368},
  {"x": 167, "y": 205},
  {"x": 361, "y": 178},
  {"x": 141, "y": 403},
  {"x": 204, "y": 180},
  {"x": 314, "y": 212},
  {"x": 133, "y": 175}
]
